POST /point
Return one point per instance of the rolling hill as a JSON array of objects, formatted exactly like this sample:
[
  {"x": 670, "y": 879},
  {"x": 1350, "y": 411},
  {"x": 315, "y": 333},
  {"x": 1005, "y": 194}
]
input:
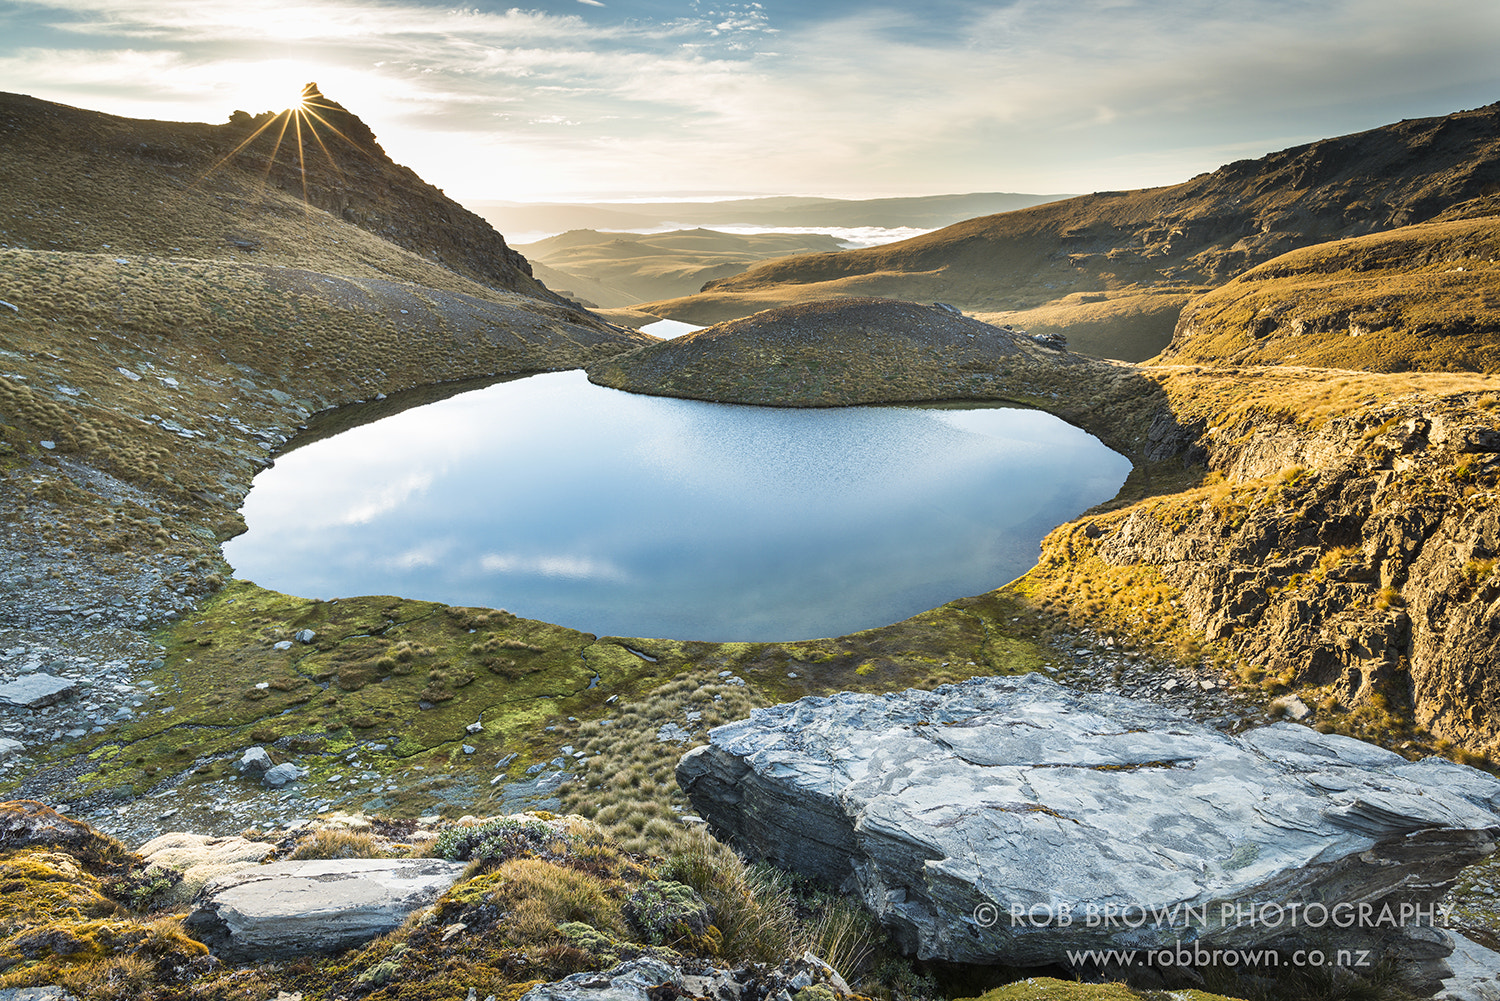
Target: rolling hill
[
  {"x": 1114, "y": 269},
  {"x": 618, "y": 269}
]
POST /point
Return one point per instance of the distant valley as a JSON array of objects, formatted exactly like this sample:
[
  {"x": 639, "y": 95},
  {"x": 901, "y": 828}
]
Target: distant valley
[
  {"x": 523, "y": 221},
  {"x": 617, "y": 269}
]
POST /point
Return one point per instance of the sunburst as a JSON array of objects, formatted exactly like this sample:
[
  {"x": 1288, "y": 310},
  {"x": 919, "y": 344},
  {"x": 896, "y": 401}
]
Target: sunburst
[{"x": 303, "y": 125}]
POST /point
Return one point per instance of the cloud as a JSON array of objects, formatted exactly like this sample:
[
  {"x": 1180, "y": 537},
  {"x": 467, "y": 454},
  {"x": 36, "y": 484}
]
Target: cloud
[
  {"x": 843, "y": 97},
  {"x": 567, "y": 567},
  {"x": 384, "y": 499}
]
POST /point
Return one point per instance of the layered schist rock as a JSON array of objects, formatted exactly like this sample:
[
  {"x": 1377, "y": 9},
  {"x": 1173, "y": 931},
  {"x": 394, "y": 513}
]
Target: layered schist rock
[
  {"x": 1010, "y": 820},
  {"x": 289, "y": 909}
]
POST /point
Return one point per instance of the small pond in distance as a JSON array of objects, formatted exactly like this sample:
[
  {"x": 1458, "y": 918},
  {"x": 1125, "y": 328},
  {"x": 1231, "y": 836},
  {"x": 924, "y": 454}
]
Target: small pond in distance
[{"x": 632, "y": 515}]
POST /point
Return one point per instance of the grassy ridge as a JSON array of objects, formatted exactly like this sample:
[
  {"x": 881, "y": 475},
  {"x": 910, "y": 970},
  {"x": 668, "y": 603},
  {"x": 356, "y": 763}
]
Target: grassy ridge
[
  {"x": 617, "y": 269},
  {"x": 1418, "y": 298},
  {"x": 1187, "y": 236},
  {"x": 88, "y": 182}
]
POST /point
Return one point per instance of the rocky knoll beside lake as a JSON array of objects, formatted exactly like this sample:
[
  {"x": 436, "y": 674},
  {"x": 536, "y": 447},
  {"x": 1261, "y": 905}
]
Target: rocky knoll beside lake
[
  {"x": 855, "y": 351},
  {"x": 1002, "y": 821}
]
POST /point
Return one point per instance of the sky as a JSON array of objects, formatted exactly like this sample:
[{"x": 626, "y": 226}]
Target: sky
[{"x": 598, "y": 99}]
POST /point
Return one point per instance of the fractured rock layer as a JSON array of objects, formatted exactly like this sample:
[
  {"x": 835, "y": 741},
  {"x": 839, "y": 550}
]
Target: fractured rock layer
[{"x": 986, "y": 822}]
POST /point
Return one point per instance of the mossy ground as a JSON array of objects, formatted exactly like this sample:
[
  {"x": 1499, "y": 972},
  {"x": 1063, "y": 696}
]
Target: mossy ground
[
  {"x": 1049, "y": 989},
  {"x": 377, "y": 706}
]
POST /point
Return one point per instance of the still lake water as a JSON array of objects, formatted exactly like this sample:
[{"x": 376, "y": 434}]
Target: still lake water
[{"x": 645, "y": 516}]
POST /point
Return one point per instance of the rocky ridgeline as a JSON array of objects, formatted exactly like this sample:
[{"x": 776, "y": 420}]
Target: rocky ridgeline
[{"x": 1007, "y": 821}]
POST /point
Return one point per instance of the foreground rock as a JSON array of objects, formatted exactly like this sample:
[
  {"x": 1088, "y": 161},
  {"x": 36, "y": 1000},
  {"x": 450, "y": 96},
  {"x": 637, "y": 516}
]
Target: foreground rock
[
  {"x": 649, "y": 978},
  {"x": 1010, "y": 820},
  {"x": 289, "y": 909}
]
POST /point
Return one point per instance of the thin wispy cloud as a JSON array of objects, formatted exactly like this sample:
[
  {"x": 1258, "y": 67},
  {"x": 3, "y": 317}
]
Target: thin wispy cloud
[{"x": 843, "y": 97}]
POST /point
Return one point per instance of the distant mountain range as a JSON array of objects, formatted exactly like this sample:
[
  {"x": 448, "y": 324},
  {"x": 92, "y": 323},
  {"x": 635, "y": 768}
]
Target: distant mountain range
[{"x": 922, "y": 212}]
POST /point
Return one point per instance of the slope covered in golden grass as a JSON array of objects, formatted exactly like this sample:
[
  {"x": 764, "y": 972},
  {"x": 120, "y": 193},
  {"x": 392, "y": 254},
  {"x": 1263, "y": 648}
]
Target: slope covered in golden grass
[
  {"x": 1171, "y": 242},
  {"x": 1418, "y": 298}
]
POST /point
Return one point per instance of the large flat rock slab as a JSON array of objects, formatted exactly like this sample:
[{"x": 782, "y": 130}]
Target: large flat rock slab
[
  {"x": 1011, "y": 820},
  {"x": 36, "y": 691},
  {"x": 289, "y": 909}
]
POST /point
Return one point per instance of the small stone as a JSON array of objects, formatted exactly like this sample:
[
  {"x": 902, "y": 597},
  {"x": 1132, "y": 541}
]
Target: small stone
[
  {"x": 791, "y": 674},
  {"x": 279, "y": 776},
  {"x": 469, "y": 748},
  {"x": 306, "y": 636},
  {"x": 474, "y": 728},
  {"x": 128, "y": 374},
  {"x": 283, "y": 645},
  {"x": 9, "y": 747},
  {"x": 48, "y": 445},
  {"x": 672, "y": 733}
]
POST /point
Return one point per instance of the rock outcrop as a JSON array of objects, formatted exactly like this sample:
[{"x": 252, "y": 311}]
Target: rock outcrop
[
  {"x": 289, "y": 909},
  {"x": 1352, "y": 560},
  {"x": 194, "y": 859},
  {"x": 1010, "y": 820}
]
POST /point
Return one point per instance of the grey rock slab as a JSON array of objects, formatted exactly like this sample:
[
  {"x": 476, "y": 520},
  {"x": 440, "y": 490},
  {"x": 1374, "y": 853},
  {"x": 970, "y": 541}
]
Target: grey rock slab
[
  {"x": 36, "y": 691},
  {"x": 629, "y": 981},
  {"x": 289, "y": 909},
  {"x": 1476, "y": 973},
  {"x": 49, "y": 993},
  {"x": 989, "y": 821}
]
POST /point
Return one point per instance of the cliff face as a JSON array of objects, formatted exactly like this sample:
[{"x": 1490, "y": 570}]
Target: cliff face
[{"x": 1350, "y": 562}]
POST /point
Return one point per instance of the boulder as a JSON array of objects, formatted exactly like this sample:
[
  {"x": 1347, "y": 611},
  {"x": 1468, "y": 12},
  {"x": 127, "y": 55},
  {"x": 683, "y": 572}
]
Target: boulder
[
  {"x": 36, "y": 691},
  {"x": 25, "y": 823},
  {"x": 1013, "y": 821},
  {"x": 198, "y": 858},
  {"x": 280, "y": 775},
  {"x": 288, "y": 909},
  {"x": 255, "y": 761}
]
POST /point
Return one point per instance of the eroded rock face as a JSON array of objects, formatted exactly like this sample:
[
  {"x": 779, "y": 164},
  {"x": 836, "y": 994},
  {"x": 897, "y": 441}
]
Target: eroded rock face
[
  {"x": 1003, "y": 820},
  {"x": 289, "y": 909}
]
